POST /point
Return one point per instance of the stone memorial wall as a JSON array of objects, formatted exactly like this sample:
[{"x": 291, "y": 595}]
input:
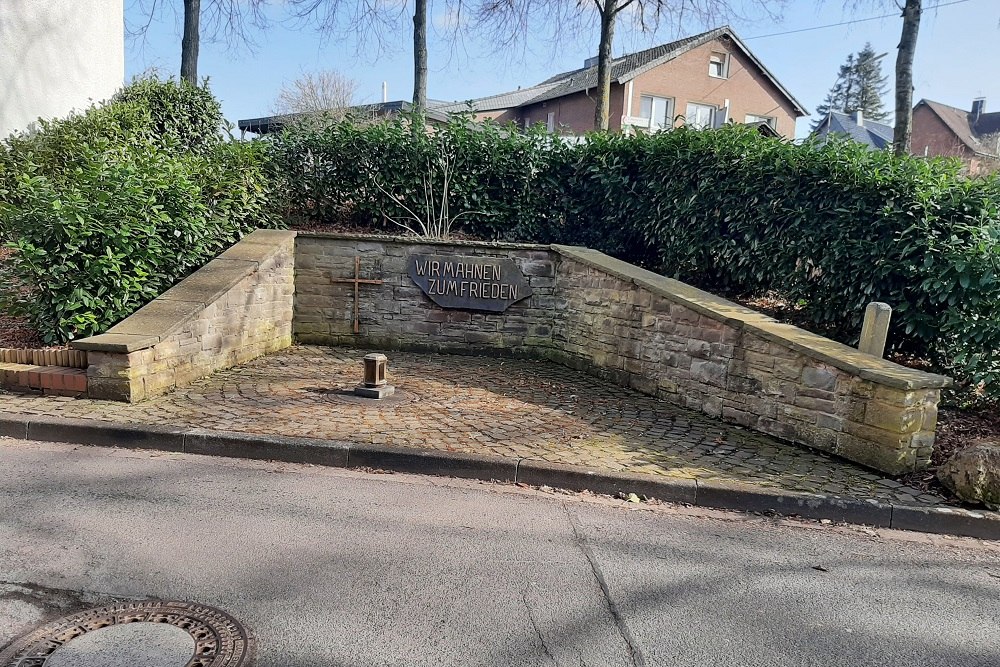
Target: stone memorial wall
[
  {"x": 570, "y": 305},
  {"x": 632, "y": 327}
]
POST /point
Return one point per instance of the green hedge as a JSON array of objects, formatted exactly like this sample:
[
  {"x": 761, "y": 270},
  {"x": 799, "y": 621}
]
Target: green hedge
[
  {"x": 374, "y": 175},
  {"x": 108, "y": 208},
  {"x": 832, "y": 227}
]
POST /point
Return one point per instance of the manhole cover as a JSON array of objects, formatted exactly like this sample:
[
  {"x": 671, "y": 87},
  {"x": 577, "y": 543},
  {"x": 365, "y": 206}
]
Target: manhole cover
[{"x": 216, "y": 638}]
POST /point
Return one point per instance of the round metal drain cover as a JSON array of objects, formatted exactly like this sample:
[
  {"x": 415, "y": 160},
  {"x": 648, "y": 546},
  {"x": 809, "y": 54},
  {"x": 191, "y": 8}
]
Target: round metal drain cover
[{"x": 219, "y": 639}]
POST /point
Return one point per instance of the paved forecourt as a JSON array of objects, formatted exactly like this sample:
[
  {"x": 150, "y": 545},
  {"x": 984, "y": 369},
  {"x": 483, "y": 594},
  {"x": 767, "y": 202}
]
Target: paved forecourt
[{"x": 531, "y": 410}]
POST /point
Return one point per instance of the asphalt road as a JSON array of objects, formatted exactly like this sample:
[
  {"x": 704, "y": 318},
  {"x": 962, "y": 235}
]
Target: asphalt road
[{"x": 339, "y": 568}]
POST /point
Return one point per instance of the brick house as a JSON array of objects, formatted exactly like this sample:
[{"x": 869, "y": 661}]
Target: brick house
[
  {"x": 706, "y": 80},
  {"x": 973, "y": 136}
]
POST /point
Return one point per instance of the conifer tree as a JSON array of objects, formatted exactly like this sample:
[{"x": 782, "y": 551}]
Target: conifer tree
[
  {"x": 860, "y": 86},
  {"x": 870, "y": 85}
]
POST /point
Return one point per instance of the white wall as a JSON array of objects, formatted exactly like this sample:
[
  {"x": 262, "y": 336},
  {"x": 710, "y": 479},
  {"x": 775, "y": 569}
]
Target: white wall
[{"x": 56, "y": 56}]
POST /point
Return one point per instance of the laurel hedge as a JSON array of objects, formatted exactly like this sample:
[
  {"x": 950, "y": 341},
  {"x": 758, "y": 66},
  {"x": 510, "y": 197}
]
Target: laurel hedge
[
  {"x": 108, "y": 208},
  {"x": 831, "y": 227}
]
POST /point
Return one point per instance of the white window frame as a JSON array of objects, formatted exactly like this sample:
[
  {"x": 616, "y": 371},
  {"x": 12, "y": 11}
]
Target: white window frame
[
  {"x": 655, "y": 124},
  {"x": 550, "y": 121},
  {"x": 720, "y": 59},
  {"x": 712, "y": 109},
  {"x": 757, "y": 118}
]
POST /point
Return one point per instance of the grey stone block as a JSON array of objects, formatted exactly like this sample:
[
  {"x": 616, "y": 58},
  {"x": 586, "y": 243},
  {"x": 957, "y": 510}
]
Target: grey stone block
[
  {"x": 447, "y": 464},
  {"x": 266, "y": 447},
  {"x": 948, "y": 520},
  {"x": 576, "y": 478},
  {"x": 721, "y": 494},
  {"x": 13, "y": 426},
  {"x": 106, "y": 434}
]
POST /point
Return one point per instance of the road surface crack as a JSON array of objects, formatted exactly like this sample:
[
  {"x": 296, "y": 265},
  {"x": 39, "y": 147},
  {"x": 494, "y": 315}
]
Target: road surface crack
[
  {"x": 538, "y": 630},
  {"x": 637, "y": 658}
]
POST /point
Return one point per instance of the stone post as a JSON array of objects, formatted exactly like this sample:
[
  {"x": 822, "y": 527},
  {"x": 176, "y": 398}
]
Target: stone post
[{"x": 875, "y": 330}]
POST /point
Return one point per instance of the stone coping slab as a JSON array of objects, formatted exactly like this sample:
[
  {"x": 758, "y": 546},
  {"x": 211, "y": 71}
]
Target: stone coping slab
[
  {"x": 419, "y": 241},
  {"x": 170, "y": 311},
  {"x": 812, "y": 345}
]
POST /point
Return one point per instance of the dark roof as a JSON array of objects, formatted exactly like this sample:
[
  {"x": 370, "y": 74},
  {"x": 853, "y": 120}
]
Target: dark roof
[
  {"x": 871, "y": 133},
  {"x": 273, "y": 123},
  {"x": 509, "y": 100},
  {"x": 623, "y": 69},
  {"x": 980, "y": 136}
]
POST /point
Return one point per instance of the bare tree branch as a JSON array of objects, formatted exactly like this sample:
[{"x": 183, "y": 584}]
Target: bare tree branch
[{"x": 326, "y": 92}]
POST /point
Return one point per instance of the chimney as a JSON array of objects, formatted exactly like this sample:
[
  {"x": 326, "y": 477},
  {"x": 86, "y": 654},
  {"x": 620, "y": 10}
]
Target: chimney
[
  {"x": 978, "y": 107},
  {"x": 859, "y": 118},
  {"x": 590, "y": 62}
]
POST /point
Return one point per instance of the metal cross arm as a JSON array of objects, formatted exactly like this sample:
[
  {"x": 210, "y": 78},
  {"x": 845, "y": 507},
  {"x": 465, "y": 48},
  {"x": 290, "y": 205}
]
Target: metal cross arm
[{"x": 357, "y": 281}]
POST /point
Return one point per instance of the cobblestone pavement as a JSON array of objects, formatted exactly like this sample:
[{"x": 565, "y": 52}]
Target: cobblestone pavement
[{"x": 529, "y": 409}]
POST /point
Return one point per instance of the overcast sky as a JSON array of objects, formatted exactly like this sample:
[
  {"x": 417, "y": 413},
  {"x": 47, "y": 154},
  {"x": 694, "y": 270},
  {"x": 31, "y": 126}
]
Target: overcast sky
[{"x": 957, "y": 54}]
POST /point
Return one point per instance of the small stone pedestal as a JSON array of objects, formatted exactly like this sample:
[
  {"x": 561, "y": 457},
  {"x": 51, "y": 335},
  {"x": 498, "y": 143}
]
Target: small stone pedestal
[{"x": 375, "y": 384}]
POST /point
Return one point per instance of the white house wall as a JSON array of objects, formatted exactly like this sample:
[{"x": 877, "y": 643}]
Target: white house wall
[{"x": 57, "y": 56}]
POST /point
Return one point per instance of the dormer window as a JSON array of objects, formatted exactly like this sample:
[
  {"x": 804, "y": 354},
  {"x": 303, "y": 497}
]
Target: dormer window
[{"x": 718, "y": 65}]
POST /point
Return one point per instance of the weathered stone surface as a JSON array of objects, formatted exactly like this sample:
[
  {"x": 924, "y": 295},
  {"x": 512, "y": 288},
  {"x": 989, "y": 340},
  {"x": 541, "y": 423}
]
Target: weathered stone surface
[
  {"x": 229, "y": 312},
  {"x": 973, "y": 474}
]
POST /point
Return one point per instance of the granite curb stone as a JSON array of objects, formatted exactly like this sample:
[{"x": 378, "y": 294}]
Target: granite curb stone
[
  {"x": 706, "y": 493},
  {"x": 262, "y": 447},
  {"x": 578, "y": 478}
]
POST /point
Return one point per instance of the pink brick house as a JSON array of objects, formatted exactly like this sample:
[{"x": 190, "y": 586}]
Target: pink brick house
[
  {"x": 706, "y": 80},
  {"x": 972, "y": 136}
]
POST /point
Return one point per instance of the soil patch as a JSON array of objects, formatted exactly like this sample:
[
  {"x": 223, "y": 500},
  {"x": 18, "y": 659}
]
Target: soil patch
[{"x": 16, "y": 332}]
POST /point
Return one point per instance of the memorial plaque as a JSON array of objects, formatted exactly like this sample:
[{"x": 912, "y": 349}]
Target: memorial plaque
[{"x": 474, "y": 283}]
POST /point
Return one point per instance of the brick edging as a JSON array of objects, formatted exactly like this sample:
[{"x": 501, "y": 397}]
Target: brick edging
[{"x": 702, "y": 493}]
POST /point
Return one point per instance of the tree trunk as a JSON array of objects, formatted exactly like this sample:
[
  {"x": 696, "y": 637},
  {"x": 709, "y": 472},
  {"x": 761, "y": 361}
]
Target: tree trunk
[
  {"x": 420, "y": 57},
  {"x": 189, "y": 42},
  {"x": 608, "y": 15},
  {"x": 904, "y": 78}
]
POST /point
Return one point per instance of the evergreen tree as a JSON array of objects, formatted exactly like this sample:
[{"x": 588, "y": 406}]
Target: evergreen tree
[
  {"x": 836, "y": 99},
  {"x": 870, "y": 85},
  {"x": 860, "y": 86}
]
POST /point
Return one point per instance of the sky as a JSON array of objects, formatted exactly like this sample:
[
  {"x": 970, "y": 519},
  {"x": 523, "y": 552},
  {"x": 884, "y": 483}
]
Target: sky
[{"x": 957, "y": 52}]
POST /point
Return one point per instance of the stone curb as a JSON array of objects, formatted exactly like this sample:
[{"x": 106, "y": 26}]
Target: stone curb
[{"x": 710, "y": 493}]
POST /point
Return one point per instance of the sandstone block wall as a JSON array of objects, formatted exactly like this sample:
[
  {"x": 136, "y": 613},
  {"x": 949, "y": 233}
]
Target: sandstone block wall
[
  {"x": 397, "y": 315},
  {"x": 668, "y": 339},
  {"x": 637, "y": 329},
  {"x": 234, "y": 309},
  {"x": 587, "y": 310}
]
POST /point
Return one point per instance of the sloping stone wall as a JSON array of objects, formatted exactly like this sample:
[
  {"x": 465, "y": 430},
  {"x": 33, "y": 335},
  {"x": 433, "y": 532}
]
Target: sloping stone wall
[
  {"x": 637, "y": 329},
  {"x": 234, "y": 309},
  {"x": 666, "y": 338}
]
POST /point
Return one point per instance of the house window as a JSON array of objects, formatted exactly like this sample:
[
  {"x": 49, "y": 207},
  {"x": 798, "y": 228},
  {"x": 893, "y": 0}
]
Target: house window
[
  {"x": 527, "y": 122},
  {"x": 550, "y": 121},
  {"x": 754, "y": 118},
  {"x": 699, "y": 116},
  {"x": 658, "y": 110},
  {"x": 718, "y": 65}
]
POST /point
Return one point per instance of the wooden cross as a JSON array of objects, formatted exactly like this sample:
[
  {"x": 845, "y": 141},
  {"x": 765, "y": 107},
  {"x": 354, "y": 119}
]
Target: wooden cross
[{"x": 357, "y": 281}]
